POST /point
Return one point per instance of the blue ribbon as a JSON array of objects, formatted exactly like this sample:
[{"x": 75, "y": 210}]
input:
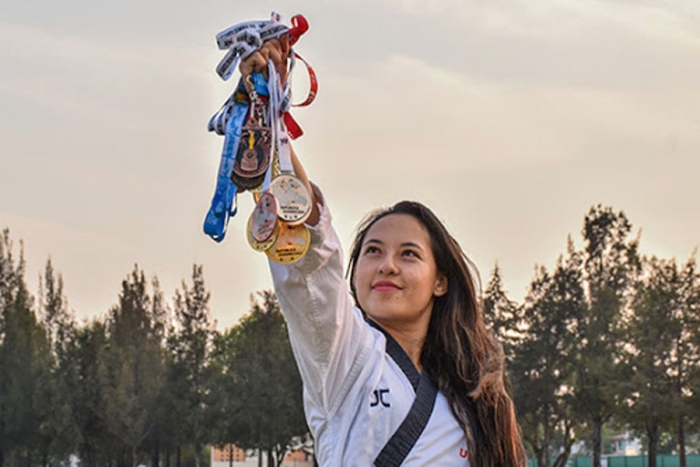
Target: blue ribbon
[{"x": 223, "y": 205}]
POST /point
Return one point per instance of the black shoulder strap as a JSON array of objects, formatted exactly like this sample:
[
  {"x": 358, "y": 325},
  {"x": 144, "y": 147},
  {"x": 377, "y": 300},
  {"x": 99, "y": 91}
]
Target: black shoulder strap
[{"x": 405, "y": 437}]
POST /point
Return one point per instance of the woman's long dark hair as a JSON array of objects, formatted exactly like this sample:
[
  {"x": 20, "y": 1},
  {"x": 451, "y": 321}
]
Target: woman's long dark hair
[{"x": 460, "y": 355}]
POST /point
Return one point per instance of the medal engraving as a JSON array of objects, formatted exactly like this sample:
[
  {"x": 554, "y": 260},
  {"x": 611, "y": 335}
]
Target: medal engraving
[
  {"x": 264, "y": 218},
  {"x": 256, "y": 245},
  {"x": 249, "y": 163},
  {"x": 293, "y": 198},
  {"x": 291, "y": 245},
  {"x": 253, "y": 155}
]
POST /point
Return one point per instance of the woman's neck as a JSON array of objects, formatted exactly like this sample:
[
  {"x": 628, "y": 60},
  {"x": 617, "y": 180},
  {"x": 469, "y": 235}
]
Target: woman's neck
[{"x": 410, "y": 339}]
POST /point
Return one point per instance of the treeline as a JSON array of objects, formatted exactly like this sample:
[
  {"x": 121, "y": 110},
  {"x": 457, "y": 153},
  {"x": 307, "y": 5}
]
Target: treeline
[
  {"x": 607, "y": 338},
  {"x": 150, "y": 382}
]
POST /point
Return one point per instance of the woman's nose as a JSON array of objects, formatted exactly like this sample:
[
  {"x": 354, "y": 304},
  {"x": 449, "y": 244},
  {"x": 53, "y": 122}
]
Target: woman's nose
[{"x": 388, "y": 265}]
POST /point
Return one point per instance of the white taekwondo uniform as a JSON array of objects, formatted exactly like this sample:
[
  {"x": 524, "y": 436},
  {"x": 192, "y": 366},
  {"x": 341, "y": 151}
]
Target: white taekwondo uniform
[{"x": 355, "y": 394}]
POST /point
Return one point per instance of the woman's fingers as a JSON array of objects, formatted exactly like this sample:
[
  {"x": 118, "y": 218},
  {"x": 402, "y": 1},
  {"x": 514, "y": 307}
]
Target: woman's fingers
[
  {"x": 256, "y": 62},
  {"x": 278, "y": 51},
  {"x": 274, "y": 49}
]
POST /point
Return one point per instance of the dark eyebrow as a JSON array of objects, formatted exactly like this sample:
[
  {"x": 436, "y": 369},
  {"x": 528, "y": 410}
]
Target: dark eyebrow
[
  {"x": 373, "y": 240},
  {"x": 404, "y": 244}
]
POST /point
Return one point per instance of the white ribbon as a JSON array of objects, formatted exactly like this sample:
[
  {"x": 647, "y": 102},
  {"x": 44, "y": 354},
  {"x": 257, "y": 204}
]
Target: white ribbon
[
  {"x": 244, "y": 39},
  {"x": 277, "y": 94}
]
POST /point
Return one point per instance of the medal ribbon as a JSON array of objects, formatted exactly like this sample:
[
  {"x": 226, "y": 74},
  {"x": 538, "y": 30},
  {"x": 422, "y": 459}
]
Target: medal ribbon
[
  {"x": 223, "y": 205},
  {"x": 242, "y": 40},
  {"x": 292, "y": 126},
  {"x": 277, "y": 98}
]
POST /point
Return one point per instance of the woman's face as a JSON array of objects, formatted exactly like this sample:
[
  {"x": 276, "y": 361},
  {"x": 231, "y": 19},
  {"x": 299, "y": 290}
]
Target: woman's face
[{"x": 396, "y": 277}]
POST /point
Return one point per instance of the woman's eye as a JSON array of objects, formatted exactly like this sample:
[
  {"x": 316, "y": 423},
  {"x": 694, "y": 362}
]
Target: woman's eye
[
  {"x": 410, "y": 254},
  {"x": 371, "y": 249}
]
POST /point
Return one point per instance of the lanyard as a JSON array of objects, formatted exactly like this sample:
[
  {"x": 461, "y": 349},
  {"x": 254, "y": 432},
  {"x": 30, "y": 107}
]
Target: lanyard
[{"x": 223, "y": 205}]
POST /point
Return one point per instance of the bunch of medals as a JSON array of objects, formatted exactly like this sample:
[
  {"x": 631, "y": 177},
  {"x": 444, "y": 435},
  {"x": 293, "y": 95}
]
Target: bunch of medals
[{"x": 256, "y": 156}]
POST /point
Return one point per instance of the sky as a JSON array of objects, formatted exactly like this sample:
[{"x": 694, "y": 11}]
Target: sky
[{"x": 509, "y": 118}]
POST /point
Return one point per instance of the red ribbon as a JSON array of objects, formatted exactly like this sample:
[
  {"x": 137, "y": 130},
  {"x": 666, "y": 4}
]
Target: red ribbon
[
  {"x": 300, "y": 26},
  {"x": 293, "y": 129},
  {"x": 313, "y": 83}
]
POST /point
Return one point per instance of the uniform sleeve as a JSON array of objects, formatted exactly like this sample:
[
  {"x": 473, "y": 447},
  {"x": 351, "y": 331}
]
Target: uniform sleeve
[{"x": 329, "y": 337}]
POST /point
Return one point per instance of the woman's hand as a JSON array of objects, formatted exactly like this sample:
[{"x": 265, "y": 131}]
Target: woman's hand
[{"x": 276, "y": 50}]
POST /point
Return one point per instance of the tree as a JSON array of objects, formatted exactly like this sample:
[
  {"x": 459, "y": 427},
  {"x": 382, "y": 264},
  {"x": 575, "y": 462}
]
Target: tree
[
  {"x": 163, "y": 417},
  {"x": 260, "y": 387},
  {"x": 544, "y": 365},
  {"x": 190, "y": 372},
  {"x": 23, "y": 350},
  {"x": 57, "y": 429},
  {"x": 87, "y": 401},
  {"x": 502, "y": 315},
  {"x": 687, "y": 365},
  {"x": 610, "y": 264},
  {"x": 651, "y": 332},
  {"x": 131, "y": 369}
]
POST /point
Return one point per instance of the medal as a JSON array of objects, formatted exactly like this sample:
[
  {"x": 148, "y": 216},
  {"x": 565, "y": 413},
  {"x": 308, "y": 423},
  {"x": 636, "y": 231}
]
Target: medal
[
  {"x": 293, "y": 198},
  {"x": 253, "y": 157},
  {"x": 264, "y": 218},
  {"x": 256, "y": 245},
  {"x": 291, "y": 245}
]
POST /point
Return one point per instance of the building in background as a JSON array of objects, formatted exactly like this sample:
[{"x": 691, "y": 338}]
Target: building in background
[
  {"x": 233, "y": 456},
  {"x": 625, "y": 445}
]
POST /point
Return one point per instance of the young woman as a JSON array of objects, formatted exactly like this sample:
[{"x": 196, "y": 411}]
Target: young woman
[{"x": 398, "y": 367}]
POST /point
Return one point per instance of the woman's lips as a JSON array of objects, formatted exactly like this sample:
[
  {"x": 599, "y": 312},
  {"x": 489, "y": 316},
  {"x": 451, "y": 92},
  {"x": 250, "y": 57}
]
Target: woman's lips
[{"x": 384, "y": 286}]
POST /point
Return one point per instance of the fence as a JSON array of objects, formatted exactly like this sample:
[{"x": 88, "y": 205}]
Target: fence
[
  {"x": 630, "y": 461},
  {"x": 661, "y": 461}
]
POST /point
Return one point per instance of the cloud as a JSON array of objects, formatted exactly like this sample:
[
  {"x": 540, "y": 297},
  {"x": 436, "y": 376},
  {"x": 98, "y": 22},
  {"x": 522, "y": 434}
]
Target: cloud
[
  {"x": 90, "y": 78},
  {"x": 669, "y": 21}
]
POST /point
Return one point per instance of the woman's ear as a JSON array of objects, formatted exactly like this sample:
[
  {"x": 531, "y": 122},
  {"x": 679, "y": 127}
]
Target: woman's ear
[{"x": 440, "y": 286}]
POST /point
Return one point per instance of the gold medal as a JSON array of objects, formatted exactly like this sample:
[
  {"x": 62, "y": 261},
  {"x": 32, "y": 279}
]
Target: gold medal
[
  {"x": 293, "y": 198},
  {"x": 256, "y": 245},
  {"x": 292, "y": 243}
]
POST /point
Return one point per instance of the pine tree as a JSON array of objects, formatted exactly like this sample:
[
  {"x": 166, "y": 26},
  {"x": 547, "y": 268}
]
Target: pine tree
[
  {"x": 82, "y": 376},
  {"x": 58, "y": 430},
  {"x": 687, "y": 371},
  {"x": 23, "y": 352},
  {"x": 502, "y": 315},
  {"x": 652, "y": 333},
  {"x": 610, "y": 264},
  {"x": 131, "y": 370},
  {"x": 544, "y": 366},
  {"x": 259, "y": 388},
  {"x": 190, "y": 372}
]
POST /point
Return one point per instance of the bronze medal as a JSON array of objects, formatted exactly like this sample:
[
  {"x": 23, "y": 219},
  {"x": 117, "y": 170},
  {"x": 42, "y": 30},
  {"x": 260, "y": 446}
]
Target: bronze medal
[
  {"x": 291, "y": 245},
  {"x": 245, "y": 184},
  {"x": 293, "y": 198},
  {"x": 253, "y": 157}
]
